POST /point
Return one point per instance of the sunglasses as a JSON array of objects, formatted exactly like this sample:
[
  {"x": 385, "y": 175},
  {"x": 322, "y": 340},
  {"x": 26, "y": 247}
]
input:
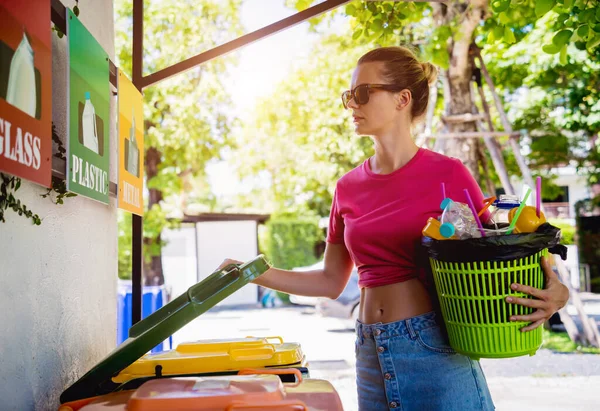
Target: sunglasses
[{"x": 360, "y": 94}]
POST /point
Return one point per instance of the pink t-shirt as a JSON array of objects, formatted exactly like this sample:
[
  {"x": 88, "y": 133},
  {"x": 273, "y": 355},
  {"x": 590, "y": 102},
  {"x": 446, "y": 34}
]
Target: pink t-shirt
[{"x": 379, "y": 217}]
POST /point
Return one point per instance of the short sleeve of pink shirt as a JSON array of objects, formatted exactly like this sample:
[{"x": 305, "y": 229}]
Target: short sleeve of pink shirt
[{"x": 379, "y": 217}]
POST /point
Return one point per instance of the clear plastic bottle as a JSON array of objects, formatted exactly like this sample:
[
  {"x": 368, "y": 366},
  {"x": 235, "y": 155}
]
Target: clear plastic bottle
[
  {"x": 88, "y": 121},
  {"x": 21, "y": 89},
  {"x": 503, "y": 205},
  {"x": 458, "y": 221}
]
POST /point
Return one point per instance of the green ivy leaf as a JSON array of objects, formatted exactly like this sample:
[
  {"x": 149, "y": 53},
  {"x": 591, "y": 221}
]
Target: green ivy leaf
[
  {"x": 543, "y": 6},
  {"x": 357, "y": 33},
  {"x": 377, "y": 26},
  {"x": 504, "y": 19},
  {"x": 568, "y": 4},
  {"x": 586, "y": 16},
  {"x": 562, "y": 37},
  {"x": 351, "y": 9},
  {"x": 583, "y": 31},
  {"x": 509, "y": 36},
  {"x": 550, "y": 49},
  {"x": 563, "y": 55},
  {"x": 593, "y": 42},
  {"x": 498, "y": 32},
  {"x": 500, "y": 5}
]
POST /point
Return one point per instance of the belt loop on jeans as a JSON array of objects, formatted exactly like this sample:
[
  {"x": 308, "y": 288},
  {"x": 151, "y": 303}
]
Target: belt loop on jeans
[
  {"x": 410, "y": 329},
  {"x": 359, "y": 333}
]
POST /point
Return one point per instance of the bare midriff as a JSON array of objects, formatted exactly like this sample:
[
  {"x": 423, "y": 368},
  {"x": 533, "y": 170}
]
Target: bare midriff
[{"x": 394, "y": 302}]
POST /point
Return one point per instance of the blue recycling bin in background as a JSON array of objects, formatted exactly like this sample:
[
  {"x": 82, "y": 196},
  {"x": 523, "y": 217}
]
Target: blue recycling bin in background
[{"x": 154, "y": 297}]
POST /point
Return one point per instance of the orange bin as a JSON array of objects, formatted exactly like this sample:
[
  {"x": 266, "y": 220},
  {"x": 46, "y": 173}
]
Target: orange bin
[{"x": 251, "y": 389}]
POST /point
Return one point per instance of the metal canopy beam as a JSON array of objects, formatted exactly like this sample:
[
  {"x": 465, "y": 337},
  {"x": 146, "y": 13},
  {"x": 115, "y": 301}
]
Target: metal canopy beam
[{"x": 142, "y": 81}]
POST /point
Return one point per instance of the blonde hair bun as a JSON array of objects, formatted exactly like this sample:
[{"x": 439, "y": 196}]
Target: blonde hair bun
[{"x": 430, "y": 71}]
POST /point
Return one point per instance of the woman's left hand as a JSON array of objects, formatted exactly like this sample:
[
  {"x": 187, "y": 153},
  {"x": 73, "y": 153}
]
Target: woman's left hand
[{"x": 547, "y": 301}]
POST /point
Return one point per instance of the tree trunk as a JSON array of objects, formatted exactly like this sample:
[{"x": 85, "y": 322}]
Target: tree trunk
[
  {"x": 153, "y": 272},
  {"x": 459, "y": 74}
]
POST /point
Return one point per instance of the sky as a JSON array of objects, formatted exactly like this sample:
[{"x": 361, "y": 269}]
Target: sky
[{"x": 261, "y": 66}]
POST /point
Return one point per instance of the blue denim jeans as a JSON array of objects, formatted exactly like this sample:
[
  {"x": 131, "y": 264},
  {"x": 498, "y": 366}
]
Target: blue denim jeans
[{"x": 409, "y": 365}]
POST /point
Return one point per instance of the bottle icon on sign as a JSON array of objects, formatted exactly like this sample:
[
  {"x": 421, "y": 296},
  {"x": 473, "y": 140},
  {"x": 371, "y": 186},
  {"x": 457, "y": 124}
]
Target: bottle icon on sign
[
  {"x": 88, "y": 122},
  {"x": 21, "y": 79},
  {"x": 133, "y": 158}
]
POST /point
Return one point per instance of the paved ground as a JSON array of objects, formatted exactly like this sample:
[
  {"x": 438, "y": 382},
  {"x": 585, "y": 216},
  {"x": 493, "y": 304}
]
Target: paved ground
[{"x": 546, "y": 381}]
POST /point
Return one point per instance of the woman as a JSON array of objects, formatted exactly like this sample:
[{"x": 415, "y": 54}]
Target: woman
[{"x": 403, "y": 359}]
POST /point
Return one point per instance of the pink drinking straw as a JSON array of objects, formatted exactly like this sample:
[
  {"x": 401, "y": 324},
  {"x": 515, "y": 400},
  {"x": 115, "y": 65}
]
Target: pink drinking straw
[
  {"x": 443, "y": 191},
  {"x": 538, "y": 196},
  {"x": 472, "y": 207}
]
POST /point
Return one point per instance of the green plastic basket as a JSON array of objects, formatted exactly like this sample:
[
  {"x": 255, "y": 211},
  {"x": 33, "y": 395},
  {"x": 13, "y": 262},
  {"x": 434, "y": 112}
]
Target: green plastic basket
[{"x": 473, "y": 303}]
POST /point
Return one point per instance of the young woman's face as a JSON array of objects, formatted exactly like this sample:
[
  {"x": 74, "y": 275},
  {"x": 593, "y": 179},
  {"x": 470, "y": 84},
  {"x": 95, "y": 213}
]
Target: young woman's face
[{"x": 380, "y": 112}]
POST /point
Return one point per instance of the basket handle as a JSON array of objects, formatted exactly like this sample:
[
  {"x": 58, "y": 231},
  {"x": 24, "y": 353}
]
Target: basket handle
[
  {"x": 273, "y": 371},
  {"x": 76, "y": 405},
  {"x": 289, "y": 404}
]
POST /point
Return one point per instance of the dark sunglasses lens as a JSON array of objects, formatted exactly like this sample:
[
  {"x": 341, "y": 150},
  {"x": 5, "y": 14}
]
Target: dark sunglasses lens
[
  {"x": 346, "y": 96},
  {"x": 362, "y": 94}
]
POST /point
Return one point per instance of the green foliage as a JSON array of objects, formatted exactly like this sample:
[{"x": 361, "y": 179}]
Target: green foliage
[
  {"x": 567, "y": 231},
  {"x": 556, "y": 104},
  {"x": 561, "y": 342},
  {"x": 290, "y": 241},
  {"x": 8, "y": 186},
  {"x": 300, "y": 140},
  {"x": 186, "y": 117},
  {"x": 569, "y": 22},
  {"x": 125, "y": 239}
]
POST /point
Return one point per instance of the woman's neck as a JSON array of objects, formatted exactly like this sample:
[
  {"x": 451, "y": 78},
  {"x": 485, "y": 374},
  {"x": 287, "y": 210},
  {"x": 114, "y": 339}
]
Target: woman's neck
[{"x": 392, "y": 151}]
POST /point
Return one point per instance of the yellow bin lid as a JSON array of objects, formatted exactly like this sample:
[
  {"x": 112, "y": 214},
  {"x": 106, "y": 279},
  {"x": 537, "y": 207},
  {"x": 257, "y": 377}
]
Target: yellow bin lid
[{"x": 208, "y": 356}]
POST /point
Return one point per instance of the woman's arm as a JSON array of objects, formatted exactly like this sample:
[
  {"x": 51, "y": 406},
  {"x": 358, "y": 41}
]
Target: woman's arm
[{"x": 327, "y": 282}]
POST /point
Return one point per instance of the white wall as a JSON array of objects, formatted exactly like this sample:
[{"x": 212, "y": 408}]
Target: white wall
[
  {"x": 218, "y": 240},
  {"x": 179, "y": 259},
  {"x": 565, "y": 176},
  {"x": 578, "y": 188},
  {"x": 58, "y": 280}
]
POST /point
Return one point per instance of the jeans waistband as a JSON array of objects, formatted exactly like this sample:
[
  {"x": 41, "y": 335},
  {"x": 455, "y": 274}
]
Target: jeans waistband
[{"x": 408, "y": 326}]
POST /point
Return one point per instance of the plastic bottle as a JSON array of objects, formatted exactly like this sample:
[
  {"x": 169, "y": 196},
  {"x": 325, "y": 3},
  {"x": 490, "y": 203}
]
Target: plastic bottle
[
  {"x": 503, "y": 206},
  {"x": 457, "y": 221},
  {"x": 88, "y": 120},
  {"x": 432, "y": 229},
  {"x": 21, "y": 89},
  {"x": 133, "y": 162}
]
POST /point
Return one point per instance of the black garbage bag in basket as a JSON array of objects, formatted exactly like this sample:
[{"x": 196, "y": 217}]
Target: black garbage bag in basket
[
  {"x": 472, "y": 279},
  {"x": 498, "y": 247}
]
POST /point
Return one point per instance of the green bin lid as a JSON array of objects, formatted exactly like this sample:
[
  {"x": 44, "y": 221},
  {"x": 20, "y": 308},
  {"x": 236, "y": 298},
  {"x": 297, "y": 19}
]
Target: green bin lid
[{"x": 158, "y": 326}]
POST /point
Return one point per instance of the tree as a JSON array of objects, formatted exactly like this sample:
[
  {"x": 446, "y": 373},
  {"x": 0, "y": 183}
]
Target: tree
[
  {"x": 300, "y": 140},
  {"x": 446, "y": 32},
  {"x": 186, "y": 122},
  {"x": 560, "y": 110}
]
